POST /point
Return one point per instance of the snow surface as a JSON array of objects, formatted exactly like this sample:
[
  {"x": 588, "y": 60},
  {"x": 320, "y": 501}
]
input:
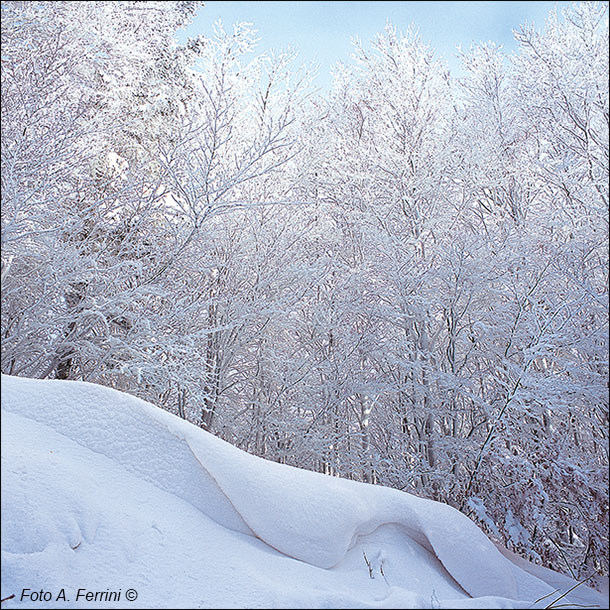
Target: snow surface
[{"x": 104, "y": 492}]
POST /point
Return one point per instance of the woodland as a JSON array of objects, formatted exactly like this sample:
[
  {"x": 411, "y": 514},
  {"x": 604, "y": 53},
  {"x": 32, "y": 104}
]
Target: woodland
[{"x": 403, "y": 281}]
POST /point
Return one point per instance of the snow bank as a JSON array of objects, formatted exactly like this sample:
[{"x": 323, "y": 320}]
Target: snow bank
[{"x": 101, "y": 489}]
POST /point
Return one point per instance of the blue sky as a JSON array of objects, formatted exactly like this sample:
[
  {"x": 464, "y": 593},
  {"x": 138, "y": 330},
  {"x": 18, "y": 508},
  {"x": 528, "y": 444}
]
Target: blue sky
[{"x": 321, "y": 31}]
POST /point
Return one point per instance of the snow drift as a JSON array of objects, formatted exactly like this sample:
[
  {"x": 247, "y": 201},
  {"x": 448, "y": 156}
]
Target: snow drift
[{"x": 104, "y": 492}]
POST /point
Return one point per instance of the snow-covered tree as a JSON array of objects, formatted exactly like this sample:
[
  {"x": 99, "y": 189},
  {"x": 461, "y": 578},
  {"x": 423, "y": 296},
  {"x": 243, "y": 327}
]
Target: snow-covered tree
[{"x": 404, "y": 282}]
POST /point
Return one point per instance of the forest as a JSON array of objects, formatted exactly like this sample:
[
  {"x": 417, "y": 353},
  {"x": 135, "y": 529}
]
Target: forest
[{"x": 402, "y": 282}]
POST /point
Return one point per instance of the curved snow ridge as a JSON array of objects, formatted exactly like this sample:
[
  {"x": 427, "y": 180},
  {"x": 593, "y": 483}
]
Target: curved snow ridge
[
  {"x": 316, "y": 518},
  {"x": 308, "y": 516}
]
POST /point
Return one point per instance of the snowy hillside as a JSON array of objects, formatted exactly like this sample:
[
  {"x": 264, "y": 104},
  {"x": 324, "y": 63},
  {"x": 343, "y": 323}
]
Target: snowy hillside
[{"x": 102, "y": 492}]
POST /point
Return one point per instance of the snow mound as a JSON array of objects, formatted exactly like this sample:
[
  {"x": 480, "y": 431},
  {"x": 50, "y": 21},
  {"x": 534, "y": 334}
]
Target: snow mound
[{"x": 103, "y": 491}]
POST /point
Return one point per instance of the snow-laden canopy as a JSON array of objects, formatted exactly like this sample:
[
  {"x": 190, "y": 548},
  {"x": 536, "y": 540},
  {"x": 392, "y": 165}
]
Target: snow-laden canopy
[{"x": 103, "y": 492}]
